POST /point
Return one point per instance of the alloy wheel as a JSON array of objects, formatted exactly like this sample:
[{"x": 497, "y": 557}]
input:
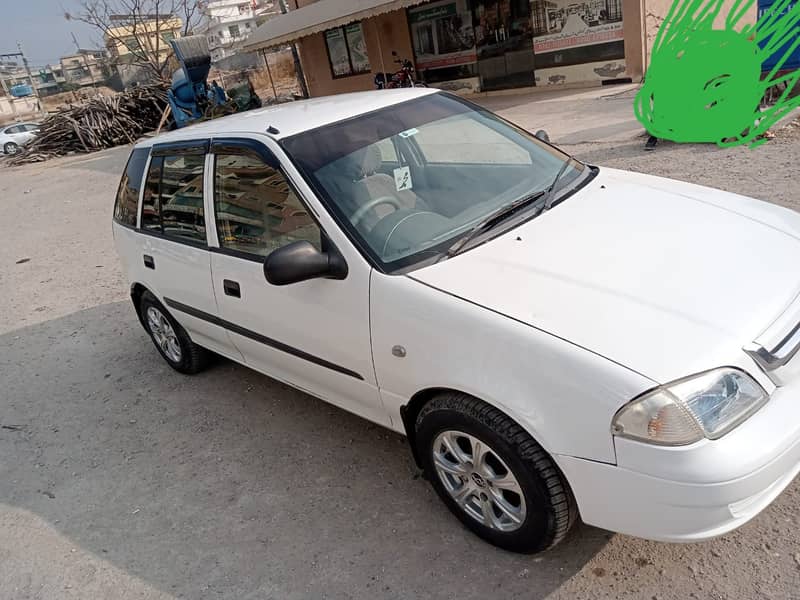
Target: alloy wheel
[
  {"x": 164, "y": 334},
  {"x": 479, "y": 481}
]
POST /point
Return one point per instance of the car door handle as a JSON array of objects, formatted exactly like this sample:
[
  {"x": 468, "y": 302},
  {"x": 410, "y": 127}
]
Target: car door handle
[
  {"x": 149, "y": 262},
  {"x": 231, "y": 288}
]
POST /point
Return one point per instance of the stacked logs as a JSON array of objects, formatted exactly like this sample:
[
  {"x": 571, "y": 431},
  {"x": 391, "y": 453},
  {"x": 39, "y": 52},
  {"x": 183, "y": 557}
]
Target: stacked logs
[{"x": 102, "y": 122}]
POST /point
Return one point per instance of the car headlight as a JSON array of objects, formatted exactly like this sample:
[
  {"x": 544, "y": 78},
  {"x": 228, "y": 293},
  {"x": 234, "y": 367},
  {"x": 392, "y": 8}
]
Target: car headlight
[{"x": 706, "y": 405}]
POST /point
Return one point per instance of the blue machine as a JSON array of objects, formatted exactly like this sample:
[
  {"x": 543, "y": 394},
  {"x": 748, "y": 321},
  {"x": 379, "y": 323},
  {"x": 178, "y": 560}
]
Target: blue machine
[
  {"x": 21, "y": 90},
  {"x": 793, "y": 61},
  {"x": 190, "y": 96}
]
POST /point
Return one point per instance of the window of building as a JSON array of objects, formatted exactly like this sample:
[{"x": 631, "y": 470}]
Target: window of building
[
  {"x": 347, "y": 50},
  {"x": 256, "y": 210},
  {"x": 243, "y": 8},
  {"x": 132, "y": 43},
  {"x": 233, "y": 30},
  {"x": 128, "y": 193},
  {"x": 173, "y": 197}
]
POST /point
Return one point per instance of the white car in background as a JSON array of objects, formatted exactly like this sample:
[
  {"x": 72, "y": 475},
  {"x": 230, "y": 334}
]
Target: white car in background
[
  {"x": 554, "y": 338},
  {"x": 15, "y": 135}
]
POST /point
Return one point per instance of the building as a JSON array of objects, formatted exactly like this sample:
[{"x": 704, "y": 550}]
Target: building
[
  {"x": 228, "y": 23},
  {"x": 85, "y": 68},
  {"x": 12, "y": 74},
  {"x": 139, "y": 46},
  {"x": 469, "y": 45},
  {"x": 47, "y": 80}
]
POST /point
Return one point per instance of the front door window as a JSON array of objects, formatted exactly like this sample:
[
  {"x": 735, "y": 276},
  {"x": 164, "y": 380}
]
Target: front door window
[{"x": 256, "y": 209}]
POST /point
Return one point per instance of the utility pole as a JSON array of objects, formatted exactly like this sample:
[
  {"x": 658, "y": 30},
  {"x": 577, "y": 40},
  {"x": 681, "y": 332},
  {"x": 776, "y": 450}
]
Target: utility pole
[
  {"x": 298, "y": 68},
  {"x": 28, "y": 71}
]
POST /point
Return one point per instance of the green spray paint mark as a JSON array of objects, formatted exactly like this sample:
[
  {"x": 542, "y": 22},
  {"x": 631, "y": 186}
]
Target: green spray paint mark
[{"x": 706, "y": 85}]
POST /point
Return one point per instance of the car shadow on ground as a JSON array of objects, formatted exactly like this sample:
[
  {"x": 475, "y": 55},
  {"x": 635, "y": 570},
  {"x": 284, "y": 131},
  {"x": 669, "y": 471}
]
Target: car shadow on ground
[{"x": 229, "y": 482}]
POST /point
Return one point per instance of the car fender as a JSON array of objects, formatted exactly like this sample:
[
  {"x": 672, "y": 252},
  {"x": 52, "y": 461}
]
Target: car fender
[{"x": 424, "y": 339}]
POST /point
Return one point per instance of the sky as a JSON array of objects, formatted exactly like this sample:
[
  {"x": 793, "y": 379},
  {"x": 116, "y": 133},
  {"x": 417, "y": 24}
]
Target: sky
[{"x": 40, "y": 26}]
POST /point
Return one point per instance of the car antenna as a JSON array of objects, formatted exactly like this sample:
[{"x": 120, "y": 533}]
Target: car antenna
[{"x": 273, "y": 130}]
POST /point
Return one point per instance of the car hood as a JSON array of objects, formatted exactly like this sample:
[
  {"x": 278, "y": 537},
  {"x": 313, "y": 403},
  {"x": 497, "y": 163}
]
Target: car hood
[{"x": 663, "y": 277}]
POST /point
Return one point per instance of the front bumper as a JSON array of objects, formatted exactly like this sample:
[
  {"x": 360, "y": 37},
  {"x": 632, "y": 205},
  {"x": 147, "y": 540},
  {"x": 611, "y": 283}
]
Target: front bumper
[{"x": 696, "y": 492}]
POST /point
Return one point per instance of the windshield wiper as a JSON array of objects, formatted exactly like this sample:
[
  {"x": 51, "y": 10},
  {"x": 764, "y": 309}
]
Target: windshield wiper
[
  {"x": 504, "y": 212},
  {"x": 491, "y": 220},
  {"x": 548, "y": 193}
]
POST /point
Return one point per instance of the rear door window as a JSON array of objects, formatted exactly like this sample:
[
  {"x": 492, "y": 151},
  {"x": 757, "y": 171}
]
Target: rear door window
[
  {"x": 127, "y": 200},
  {"x": 181, "y": 198},
  {"x": 172, "y": 203}
]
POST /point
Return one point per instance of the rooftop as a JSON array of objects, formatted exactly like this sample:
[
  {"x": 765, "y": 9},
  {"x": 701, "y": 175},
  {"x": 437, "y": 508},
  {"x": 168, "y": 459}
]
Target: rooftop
[{"x": 294, "y": 117}]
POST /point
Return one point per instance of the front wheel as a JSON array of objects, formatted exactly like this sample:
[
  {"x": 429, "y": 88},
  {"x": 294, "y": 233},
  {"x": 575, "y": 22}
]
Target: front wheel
[
  {"x": 11, "y": 148},
  {"x": 492, "y": 475}
]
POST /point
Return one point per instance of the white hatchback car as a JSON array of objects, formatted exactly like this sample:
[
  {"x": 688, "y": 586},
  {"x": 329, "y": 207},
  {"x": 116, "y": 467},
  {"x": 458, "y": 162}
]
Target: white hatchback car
[
  {"x": 16, "y": 135},
  {"x": 553, "y": 338}
]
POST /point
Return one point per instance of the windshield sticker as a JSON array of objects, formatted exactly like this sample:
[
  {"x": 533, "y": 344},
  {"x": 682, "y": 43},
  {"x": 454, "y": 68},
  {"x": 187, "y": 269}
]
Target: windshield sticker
[
  {"x": 402, "y": 179},
  {"x": 408, "y": 132}
]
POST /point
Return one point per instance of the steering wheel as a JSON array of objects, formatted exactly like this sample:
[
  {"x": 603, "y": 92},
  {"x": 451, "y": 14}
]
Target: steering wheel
[{"x": 359, "y": 214}]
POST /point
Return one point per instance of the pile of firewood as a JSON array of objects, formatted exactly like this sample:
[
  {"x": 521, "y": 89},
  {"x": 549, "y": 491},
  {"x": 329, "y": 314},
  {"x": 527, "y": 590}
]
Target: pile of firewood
[{"x": 102, "y": 122}]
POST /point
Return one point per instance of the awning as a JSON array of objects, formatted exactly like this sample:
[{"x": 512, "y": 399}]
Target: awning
[{"x": 318, "y": 17}]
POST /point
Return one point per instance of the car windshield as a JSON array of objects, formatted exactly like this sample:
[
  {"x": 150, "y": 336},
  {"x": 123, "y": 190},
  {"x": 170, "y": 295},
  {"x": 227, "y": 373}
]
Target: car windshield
[{"x": 409, "y": 180}]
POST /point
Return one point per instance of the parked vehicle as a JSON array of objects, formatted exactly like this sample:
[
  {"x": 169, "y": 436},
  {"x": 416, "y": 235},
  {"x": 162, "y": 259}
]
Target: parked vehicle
[
  {"x": 17, "y": 134},
  {"x": 403, "y": 78},
  {"x": 554, "y": 338}
]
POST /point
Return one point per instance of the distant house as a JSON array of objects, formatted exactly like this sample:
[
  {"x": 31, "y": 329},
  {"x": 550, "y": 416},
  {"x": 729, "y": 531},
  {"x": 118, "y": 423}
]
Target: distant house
[
  {"x": 228, "y": 23},
  {"x": 139, "y": 46},
  {"x": 85, "y": 68}
]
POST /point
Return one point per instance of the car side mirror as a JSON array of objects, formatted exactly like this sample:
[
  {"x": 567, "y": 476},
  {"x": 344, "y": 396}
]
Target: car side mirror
[
  {"x": 542, "y": 135},
  {"x": 301, "y": 261}
]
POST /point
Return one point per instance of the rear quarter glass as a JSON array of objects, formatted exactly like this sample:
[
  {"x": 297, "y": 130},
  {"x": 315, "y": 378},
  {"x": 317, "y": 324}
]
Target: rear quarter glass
[{"x": 125, "y": 207}]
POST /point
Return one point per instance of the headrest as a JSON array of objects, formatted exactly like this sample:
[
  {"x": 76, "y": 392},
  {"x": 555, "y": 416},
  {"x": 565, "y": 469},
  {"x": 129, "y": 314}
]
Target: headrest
[{"x": 371, "y": 161}]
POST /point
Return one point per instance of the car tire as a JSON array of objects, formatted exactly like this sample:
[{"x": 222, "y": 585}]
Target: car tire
[
  {"x": 170, "y": 339},
  {"x": 10, "y": 148},
  {"x": 534, "y": 518}
]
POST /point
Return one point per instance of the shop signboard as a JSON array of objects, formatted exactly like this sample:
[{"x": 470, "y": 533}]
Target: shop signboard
[
  {"x": 442, "y": 34},
  {"x": 567, "y": 24}
]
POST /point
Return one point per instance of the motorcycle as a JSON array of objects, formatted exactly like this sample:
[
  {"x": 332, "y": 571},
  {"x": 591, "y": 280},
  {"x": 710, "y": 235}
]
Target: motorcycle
[{"x": 404, "y": 78}]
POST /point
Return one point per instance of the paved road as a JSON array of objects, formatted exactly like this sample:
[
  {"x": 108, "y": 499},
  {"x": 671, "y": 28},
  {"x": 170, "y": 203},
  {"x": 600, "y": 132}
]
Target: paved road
[{"x": 121, "y": 479}]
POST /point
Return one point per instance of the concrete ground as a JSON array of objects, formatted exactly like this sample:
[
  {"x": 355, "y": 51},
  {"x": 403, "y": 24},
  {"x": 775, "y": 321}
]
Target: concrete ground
[
  {"x": 121, "y": 479},
  {"x": 571, "y": 116}
]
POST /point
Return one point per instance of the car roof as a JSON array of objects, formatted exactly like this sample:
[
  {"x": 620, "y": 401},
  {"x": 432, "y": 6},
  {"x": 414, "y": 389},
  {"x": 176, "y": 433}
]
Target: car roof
[{"x": 292, "y": 118}]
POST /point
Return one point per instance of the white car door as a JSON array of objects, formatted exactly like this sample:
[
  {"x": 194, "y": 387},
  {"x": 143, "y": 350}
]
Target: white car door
[
  {"x": 29, "y": 131},
  {"x": 314, "y": 334},
  {"x": 174, "y": 246}
]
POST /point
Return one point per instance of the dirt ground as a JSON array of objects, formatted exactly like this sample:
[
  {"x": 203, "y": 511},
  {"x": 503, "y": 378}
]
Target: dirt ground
[{"x": 122, "y": 479}]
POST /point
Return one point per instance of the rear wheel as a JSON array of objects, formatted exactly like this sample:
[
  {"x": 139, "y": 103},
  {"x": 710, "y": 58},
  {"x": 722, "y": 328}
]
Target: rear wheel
[
  {"x": 10, "y": 148},
  {"x": 492, "y": 475},
  {"x": 170, "y": 339}
]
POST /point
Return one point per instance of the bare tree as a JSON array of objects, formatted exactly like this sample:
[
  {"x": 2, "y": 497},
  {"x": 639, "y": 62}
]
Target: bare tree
[{"x": 140, "y": 26}]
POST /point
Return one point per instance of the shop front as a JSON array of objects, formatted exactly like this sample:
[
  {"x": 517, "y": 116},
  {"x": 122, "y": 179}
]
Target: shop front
[
  {"x": 498, "y": 44},
  {"x": 464, "y": 45}
]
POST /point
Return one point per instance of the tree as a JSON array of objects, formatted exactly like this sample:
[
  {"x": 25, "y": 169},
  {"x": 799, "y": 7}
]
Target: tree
[{"x": 137, "y": 32}]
